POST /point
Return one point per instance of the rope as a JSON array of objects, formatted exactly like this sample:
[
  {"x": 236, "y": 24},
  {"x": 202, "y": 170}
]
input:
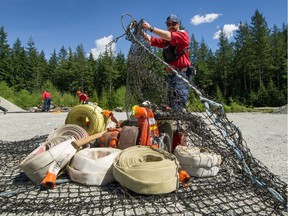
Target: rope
[{"x": 223, "y": 131}]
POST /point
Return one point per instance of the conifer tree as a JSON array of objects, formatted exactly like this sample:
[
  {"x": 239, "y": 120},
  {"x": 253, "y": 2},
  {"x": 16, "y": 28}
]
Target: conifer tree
[
  {"x": 261, "y": 59},
  {"x": 18, "y": 57},
  {"x": 224, "y": 56},
  {"x": 5, "y": 59}
]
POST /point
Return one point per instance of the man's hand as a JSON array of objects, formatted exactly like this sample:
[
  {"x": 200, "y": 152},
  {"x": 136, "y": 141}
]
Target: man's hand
[{"x": 146, "y": 25}]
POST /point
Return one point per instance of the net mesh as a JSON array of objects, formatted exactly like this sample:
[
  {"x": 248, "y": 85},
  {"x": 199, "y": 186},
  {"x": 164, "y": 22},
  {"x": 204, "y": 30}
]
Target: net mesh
[
  {"x": 243, "y": 186},
  {"x": 227, "y": 193}
]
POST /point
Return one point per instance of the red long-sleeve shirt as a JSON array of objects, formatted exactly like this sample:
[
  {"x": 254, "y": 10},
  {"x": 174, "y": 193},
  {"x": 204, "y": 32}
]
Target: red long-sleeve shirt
[
  {"x": 45, "y": 95},
  {"x": 83, "y": 97},
  {"x": 180, "y": 38}
]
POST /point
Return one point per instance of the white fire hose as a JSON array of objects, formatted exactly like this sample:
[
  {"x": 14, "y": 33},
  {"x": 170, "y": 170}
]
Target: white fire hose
[
  {"x": 198, "y": 162},
  {"x": 40, "y": 161},
  {"x": 93, "y": 166},
  {"x": 44, "y": 163}
]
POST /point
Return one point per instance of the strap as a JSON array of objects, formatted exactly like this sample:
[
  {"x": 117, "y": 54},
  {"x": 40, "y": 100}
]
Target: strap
[{"x": 183, "y": 51}]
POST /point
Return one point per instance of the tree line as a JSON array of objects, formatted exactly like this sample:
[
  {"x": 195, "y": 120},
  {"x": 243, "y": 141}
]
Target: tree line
[{"x": 251, "y": 70}]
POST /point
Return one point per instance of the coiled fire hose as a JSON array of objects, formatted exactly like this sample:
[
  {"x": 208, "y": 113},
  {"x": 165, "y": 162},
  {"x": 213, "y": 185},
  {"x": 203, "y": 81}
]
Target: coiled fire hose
[
  {"x": 50, "y": 179},
  {"x": 89, "y": 117},
  {"x": 68, "y": 130},
  {"x": 198, "y": 162},
  {"x": 45, "y": 158},
  {"x": 93, "y": 166},
  {"x": 45, "y": 162},
  {"x": 146, "y": 170}
]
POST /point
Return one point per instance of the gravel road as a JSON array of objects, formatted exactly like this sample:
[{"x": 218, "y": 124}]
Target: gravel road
[{"x": 265, "y": 134}]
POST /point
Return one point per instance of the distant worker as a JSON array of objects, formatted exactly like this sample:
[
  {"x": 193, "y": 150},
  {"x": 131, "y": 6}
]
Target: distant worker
[
  {"x": 83, "y": 98},
  {"x": 3, "y": 109},
  {"x": 46, "y": 100}
]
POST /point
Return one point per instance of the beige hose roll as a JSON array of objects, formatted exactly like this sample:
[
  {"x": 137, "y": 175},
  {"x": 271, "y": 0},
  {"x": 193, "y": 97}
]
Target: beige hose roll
[
  {"x": 197, "y": 157},
  {"x": 89, "y": 117},
  {"x": 198, "y": 162},
  {"x": 68, "y": 130},
  {"x": 201, "y": 171},
  {"x": 93, "y": 166},
  {"x": 145, "y": 170},
  {"x": 37, "y": 163},
  {"x": 56, "y": 140}
]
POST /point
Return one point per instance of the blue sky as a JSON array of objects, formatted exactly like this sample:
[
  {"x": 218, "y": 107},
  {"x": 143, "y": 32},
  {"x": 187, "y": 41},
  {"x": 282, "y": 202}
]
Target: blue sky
[{"x": 92, "y": 23}]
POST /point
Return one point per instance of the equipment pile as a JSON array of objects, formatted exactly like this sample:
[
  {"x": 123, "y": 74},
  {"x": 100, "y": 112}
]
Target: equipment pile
[{"x": 148, "y": 154}]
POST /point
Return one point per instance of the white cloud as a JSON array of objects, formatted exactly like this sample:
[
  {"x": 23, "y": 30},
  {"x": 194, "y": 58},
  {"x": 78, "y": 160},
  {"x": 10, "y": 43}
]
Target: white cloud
[
  {"x": 228, "y": 30},
  {"x": 207, "y": 18},
  {"x": 101, "y": 46}
]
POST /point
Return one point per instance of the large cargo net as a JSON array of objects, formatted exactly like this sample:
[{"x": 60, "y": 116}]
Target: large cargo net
[
  {"x": 231, "y": 192},
  {"x": 243, "y": 186}
]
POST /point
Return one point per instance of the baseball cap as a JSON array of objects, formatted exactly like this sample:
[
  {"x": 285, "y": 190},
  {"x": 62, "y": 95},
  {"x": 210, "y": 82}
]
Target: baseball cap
[{"x": 173, "y": 18}]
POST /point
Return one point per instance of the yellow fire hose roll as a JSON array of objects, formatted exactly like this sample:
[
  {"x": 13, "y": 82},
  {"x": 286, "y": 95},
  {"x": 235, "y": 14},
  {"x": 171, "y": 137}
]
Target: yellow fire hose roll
[
  {"x": 145, "y": 170},
  {"x": 89, "y": 117}
]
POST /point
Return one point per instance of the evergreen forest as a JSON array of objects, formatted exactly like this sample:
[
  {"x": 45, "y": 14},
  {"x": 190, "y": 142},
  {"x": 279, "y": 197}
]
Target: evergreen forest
[{"x": 251, "y": 70}]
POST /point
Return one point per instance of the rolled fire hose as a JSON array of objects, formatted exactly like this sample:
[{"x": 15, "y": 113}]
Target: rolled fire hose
[
  {"x": 201, "y": 171},
  {"x": 89, "y": 117},
  {"x": 145, "y": 170},
  {"x": 93, "y": 166},
  {"x": 45, "y": 157},
  {"x": 198, "y": 162},
  {"x": 68, "y": 130}
]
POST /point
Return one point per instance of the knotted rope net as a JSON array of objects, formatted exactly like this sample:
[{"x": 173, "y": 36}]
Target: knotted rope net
[{"x": 243, "y": 186}]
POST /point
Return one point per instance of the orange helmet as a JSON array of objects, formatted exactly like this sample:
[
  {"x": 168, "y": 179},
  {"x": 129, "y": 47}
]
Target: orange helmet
[{"x": 78, "y": 92}]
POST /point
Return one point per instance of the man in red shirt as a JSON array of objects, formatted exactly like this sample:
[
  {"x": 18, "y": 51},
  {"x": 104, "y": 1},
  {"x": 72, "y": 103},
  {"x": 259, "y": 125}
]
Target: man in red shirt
[
  {"x": 83, "y": 98},
  {"x": 46, "y": 100},
  {"x": 175, "y": 43}
]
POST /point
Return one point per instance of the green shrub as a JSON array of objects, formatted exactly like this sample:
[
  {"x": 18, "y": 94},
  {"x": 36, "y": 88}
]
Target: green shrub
[
  {"x": 5, "y": 91},
  {"x": 25, "y": 100},
  {"x": 120, "y": 97}
]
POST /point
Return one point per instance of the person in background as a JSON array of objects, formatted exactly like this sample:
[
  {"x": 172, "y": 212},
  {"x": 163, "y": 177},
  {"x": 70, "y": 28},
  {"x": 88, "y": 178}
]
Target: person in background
[
  {"x": 83, "y": 98},
  {"x": 3, "y": 109},
  {"x": 46, "y": 100},
  {"x": 175, "y": 44}
]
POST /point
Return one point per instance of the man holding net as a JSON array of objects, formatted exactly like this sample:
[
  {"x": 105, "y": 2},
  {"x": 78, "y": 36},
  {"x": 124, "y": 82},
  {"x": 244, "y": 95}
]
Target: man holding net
[{"x": 175, "y": 43}]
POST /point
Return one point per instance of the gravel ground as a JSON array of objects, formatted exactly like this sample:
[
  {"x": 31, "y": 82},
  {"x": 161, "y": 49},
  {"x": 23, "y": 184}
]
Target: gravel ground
[{"x": 265, "y": 134}]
